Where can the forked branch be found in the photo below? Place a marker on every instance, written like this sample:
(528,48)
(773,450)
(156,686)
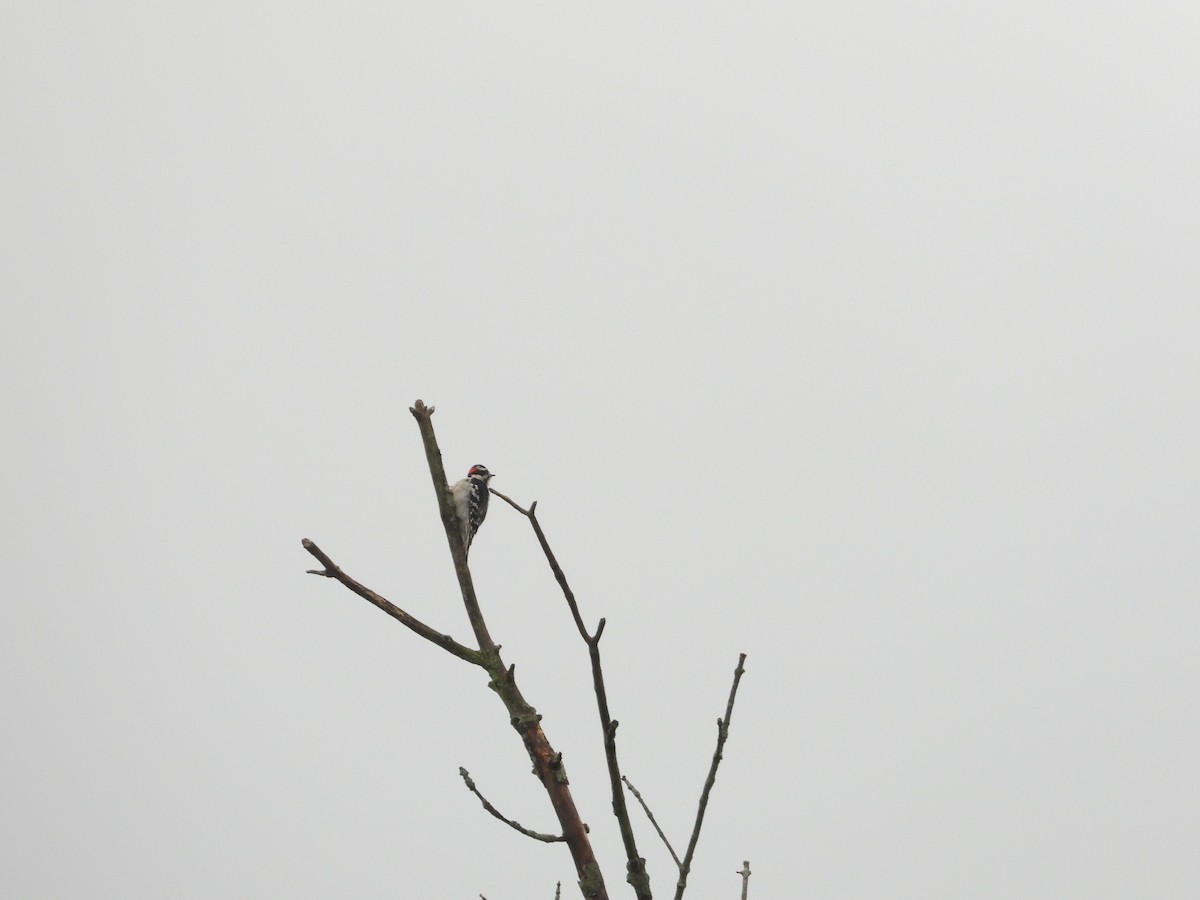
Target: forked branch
(635,865)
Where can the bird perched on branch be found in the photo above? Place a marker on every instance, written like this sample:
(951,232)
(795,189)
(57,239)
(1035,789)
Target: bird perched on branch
(471,501)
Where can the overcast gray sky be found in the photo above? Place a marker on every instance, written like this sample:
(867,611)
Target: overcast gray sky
(859,337)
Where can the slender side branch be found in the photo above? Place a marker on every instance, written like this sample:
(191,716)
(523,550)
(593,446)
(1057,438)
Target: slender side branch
(649,815)
(444,641)
(635,865)
(722,734)
(531,515)
(546,838)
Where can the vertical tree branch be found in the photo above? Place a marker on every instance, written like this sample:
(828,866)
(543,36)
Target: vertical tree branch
(745,873)
(437,471)
(722,734)
(547,764)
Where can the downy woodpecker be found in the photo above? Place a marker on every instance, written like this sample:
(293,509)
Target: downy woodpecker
(471,501)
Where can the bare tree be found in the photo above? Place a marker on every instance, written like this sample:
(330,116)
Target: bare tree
(547,763)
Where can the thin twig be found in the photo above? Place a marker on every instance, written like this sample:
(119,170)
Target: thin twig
(649,815)
(531,515)
(545,838)
(444,641)
(722,734)
(745,873)
(635,865)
